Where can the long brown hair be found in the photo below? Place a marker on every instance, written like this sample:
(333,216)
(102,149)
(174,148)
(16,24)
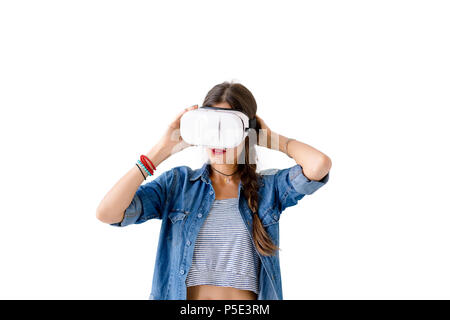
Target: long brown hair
(241,99)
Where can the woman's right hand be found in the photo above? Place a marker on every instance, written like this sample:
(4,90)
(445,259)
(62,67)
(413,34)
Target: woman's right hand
(172,140)
(111,209)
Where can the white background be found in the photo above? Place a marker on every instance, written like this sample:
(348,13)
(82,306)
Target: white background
(88,86)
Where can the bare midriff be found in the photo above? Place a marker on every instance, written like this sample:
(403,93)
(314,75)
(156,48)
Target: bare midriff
(209,292)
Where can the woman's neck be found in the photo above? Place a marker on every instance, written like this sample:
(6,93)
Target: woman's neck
(226,169)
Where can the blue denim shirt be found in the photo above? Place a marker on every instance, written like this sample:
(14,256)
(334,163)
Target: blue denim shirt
(181,198)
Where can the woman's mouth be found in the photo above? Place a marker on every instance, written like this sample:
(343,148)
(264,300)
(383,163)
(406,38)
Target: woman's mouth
(217,152)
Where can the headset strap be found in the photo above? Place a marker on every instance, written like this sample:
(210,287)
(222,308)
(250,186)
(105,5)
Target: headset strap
(252,123)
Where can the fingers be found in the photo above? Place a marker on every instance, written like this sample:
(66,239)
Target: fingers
(190,108)
(195,106)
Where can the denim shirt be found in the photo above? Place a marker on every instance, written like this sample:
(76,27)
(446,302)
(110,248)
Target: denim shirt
(181,198)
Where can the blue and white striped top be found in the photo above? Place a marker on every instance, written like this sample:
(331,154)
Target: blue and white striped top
(224,254)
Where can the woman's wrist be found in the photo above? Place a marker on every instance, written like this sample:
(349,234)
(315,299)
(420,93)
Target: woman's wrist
(157,154)
(279,142)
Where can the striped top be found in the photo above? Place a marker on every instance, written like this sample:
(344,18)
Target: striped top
(224,254)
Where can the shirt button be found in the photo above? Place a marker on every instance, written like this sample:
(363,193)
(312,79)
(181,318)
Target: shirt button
(211,192)
(199,215)
(188,243)
(181,271)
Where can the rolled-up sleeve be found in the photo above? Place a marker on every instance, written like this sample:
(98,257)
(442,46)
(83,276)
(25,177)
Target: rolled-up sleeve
(292,185)
(132,213)
(149,201)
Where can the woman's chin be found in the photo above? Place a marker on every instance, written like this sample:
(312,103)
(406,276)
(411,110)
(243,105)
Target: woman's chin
(217,159)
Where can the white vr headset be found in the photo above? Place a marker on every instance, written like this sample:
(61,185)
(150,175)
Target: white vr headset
(215,127)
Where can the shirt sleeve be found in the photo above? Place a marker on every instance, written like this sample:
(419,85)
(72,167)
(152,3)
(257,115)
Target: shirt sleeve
(149,201)
(292,185)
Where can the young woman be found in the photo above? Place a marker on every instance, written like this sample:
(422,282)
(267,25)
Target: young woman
(220,233)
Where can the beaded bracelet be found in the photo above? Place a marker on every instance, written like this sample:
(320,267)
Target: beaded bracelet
(146,170)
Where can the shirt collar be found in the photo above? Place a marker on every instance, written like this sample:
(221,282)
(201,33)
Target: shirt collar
(201,172)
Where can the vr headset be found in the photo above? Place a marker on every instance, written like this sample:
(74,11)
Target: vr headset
(215,127)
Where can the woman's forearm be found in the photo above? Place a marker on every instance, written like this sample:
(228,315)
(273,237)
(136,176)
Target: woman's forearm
(315,164)
(111,209)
